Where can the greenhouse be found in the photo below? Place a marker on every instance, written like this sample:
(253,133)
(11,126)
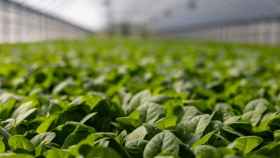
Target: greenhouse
(139,79)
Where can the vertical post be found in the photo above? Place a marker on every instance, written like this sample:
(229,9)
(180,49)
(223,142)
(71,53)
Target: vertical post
(109,15)
(25,25)
(1,21)
(7,23)
(19,21)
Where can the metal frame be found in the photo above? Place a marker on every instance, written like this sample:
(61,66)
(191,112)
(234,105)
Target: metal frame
(21,23)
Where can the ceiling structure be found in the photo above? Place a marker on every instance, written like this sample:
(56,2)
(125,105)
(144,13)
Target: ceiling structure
(87,13)
(166,15)
(159,15)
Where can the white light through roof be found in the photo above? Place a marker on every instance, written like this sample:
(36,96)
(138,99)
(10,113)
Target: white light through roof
(87,13)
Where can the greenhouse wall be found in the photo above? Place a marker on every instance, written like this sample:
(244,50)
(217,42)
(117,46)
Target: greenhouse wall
(19,23)
(263,32)
(258,32)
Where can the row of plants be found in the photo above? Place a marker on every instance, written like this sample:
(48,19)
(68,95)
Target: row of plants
(133,98)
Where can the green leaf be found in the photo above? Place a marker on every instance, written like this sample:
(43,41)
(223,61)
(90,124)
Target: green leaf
(136,147)
(276,135)
(133,120)
(164,143)
(206,151)
(203,123)
(195,124)
(75,137)
(143,132)
(159,99)
(89,100)
(6,108)
(190,112)
(230,130)
(63,85)
(167,122)
(266,121)
(139,133)
(246,144)
(161,156)
(43,139)
(20,142)
(102,152)
(224,111)
(14,155)
(6,97)
(107,112)
(46,124)
(21,113)
(151,112)
(2,145)
(254,110)
(4,133)
(271,150)
(203,140)
(88,117)
(71,133)
(137,100)
(57,153)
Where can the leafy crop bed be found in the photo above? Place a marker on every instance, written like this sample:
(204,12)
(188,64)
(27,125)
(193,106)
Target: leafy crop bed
(127,98)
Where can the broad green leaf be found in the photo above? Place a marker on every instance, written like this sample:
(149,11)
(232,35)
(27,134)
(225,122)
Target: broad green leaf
(133,120)
(21,113)
(4,133)
(151,112)
(89,100)
(20,142)
(88,117)
(159,99)
(196,124)
(206,151)
(266,121)
(14,155)
(107,112)
(161,156)
(6,108)
(254,110)
(203,123)
(137,100)
(224,111)
(102,152)
(164,143)
(63,85)
(238,125)
(5,97)
(46,124)
(167,122)
(246,144)
(230,130)
(136,147)
(143,132)
(276,135)
(75,137)
(190,112)
(88,141)
(139,133)
(57,153)
(203,140)
(44,138)
(271,150)
(2,145)
(71,133)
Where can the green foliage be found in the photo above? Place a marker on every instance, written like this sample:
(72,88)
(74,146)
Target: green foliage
(133,98)
(246,144)
(18,142)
